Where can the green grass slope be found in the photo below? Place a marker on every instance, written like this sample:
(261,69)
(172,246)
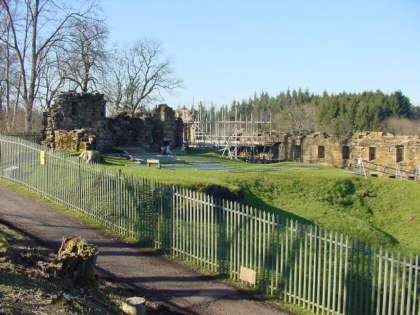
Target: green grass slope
(380,211)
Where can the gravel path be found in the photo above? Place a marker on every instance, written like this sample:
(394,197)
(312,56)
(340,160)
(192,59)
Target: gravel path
(153,276)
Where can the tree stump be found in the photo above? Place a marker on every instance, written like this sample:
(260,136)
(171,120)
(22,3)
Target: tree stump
(3,244)
(77,261)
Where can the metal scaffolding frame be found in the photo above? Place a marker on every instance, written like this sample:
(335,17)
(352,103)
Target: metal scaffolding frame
(229,136)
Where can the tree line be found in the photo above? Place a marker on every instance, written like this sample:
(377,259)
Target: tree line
(300,110)
(47,46)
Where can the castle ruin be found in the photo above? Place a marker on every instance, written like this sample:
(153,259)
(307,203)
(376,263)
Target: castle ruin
(377,153)
(77,122)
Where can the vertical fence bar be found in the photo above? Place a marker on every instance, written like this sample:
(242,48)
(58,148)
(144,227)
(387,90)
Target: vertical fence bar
(416,285)
(410,282)
(310,263)
(340,276)
(318,298)
(391,285)
(403,284)
(315,268)
(334,288)
(385,283)
(300,274)
(397,285)
(379,298)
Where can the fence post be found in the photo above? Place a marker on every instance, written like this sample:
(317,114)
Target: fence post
(47,175)
(79,193)
(1,161)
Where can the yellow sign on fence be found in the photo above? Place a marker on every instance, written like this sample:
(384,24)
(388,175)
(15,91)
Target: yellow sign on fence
(248,275)
(42,157)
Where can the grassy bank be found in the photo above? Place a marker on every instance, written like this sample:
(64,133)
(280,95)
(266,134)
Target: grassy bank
(380,211)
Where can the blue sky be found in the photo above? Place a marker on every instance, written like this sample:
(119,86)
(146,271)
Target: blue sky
(226,50)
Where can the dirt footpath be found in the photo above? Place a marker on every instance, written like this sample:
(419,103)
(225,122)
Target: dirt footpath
(152,276)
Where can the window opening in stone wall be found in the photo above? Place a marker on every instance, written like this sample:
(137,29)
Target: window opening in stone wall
(321,152)
(298,152)
(400,153)
(346,152)
(372,153)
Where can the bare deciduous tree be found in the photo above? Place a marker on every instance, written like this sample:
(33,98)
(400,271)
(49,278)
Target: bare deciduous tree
(86,54)
(137,76)
(10,78)
(35,27)
(51,77)
(298,117)
(401,126)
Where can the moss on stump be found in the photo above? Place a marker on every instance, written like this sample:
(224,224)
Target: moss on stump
(3,244)
(77,259)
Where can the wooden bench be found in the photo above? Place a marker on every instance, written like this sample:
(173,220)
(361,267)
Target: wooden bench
(150,162)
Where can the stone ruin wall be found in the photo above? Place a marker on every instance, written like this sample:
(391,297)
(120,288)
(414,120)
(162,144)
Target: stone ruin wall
(383,149)
(74,121)
(187,117)
(77,122)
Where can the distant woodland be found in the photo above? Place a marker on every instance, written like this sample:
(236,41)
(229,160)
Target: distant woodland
(298,110)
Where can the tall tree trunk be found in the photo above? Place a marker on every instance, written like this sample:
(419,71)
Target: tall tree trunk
(13,115)
(28,118)
(2,120)
(29,101)
(7,77)
(85,81)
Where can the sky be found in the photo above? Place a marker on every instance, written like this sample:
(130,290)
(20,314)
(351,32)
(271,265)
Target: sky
(228,50)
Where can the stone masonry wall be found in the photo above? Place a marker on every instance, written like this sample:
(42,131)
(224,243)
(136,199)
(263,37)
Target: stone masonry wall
(379,148)
(77,121)
(74,121)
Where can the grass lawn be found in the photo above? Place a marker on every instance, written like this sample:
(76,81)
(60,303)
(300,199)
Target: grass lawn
(380,211)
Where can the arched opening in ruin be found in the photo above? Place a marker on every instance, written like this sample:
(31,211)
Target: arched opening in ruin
(372,153)
(321,152)
(346,152)
(399,153)
(298,152)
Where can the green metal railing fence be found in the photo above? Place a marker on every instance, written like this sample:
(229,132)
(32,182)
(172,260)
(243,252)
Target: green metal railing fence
(302,264)
(29,136)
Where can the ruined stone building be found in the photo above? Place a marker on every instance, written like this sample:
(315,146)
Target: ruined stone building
(384,154)
(77,121)
(188,133)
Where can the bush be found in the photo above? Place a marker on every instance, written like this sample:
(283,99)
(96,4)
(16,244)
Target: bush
(340,192)
(220,192)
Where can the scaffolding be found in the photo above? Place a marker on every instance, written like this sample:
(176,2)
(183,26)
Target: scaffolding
(230,136)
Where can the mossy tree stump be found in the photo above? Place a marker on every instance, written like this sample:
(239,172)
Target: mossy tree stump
(3,244)
(77,259)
